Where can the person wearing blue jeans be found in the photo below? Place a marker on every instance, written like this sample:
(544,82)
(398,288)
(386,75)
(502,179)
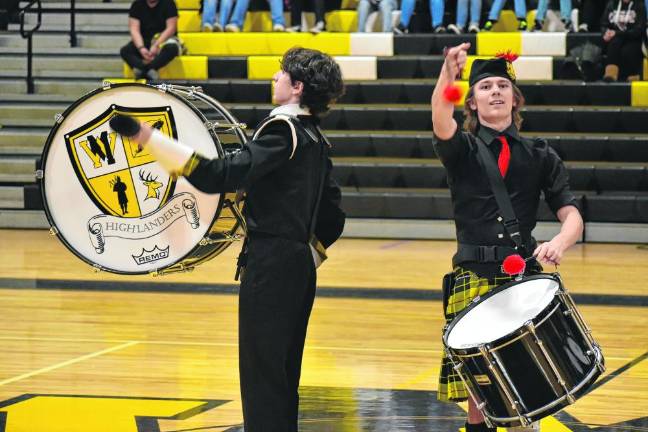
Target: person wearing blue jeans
(241,7)
(496,10)
(437,8)
(565,13)
(209,22)
(462,16)
(386,8)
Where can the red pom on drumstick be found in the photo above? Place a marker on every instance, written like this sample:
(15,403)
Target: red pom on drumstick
(514,265)
(452,93)
(509,56)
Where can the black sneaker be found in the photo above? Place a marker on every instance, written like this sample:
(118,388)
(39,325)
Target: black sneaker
(522,25)
(538,26)
(569,27)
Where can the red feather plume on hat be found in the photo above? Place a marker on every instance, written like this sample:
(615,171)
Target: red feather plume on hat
(509,56)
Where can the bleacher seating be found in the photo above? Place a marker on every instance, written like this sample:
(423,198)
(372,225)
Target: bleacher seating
(380,129)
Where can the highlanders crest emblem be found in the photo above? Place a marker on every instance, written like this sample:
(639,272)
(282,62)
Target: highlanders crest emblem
(133,193)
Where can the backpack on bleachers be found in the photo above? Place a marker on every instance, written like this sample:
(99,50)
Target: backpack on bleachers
(583,63)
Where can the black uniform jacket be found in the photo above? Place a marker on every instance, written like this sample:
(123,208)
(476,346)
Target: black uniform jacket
(280,170)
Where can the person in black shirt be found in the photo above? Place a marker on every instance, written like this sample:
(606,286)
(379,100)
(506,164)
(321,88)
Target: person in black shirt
(152,25)
(292,203)
(529,167)
(623,25)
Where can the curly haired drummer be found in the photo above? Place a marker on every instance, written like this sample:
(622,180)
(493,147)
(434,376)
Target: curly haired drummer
(529,167)
(291,200)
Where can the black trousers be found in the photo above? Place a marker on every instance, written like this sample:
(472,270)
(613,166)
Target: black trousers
(133,58)
(297,7)
(275,302)
(625,53)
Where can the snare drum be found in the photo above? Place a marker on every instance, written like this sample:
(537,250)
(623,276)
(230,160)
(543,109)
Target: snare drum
(523,351)
(113,206)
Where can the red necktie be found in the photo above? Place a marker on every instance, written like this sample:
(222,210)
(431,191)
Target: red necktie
(504,156)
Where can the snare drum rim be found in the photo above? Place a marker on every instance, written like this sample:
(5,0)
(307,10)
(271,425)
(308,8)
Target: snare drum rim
(43,164)
(467,352)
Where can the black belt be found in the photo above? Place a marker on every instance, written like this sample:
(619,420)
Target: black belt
(482,254)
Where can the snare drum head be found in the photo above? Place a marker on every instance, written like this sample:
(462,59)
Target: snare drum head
(500,314)
(112,204)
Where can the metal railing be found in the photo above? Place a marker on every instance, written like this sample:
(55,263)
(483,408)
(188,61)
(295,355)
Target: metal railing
(27,34)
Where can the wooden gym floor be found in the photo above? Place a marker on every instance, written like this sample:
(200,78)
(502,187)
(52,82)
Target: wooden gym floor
(82,351)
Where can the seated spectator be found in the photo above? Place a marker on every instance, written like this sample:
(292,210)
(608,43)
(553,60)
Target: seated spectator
(623,24)
(152,25)
(437,9)
(209,22)
(8,13)
(589,15)
(462,17)
(241,8)
(386,8)
(296,9)
(496,10)
(565,14)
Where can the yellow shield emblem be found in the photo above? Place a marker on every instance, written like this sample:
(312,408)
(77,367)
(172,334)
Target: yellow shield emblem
(119,178)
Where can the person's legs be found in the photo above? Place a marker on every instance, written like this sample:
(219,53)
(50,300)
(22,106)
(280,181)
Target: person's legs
(386,8)
(276,12)
(462,13)
(475,12)
(437,8)
(520,9)
(364,7)
(407,10)
(274,304)
(631,60)
(541,12)
(225,11)
(238,16)
(208,14)
(496,10)
(296,9)
(565,10)
(614,53)
(164,57)
(132,57)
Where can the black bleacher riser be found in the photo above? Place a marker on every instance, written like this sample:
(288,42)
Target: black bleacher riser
(594,149)
(227,67)
(409,67)
(593,179)
(433,44)
(428,44)
(537,119)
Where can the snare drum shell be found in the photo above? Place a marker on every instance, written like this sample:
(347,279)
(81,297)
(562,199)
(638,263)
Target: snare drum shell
(526,366)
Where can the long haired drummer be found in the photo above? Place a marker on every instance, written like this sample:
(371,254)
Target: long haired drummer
(292,213)
(528,168)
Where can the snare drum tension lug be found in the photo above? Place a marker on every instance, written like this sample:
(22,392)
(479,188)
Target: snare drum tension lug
(568,312)
(53,231)
(39,174)
(58,118)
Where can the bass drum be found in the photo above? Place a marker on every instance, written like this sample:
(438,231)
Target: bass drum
(114,206)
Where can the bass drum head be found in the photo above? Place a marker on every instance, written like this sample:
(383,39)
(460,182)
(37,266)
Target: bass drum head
(113,205)
(502,312)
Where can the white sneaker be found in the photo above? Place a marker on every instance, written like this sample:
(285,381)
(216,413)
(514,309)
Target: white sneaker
(318,28)
(232,28)
(218,27)
(293,29)
(473,28)
(278,28)
(453,28)
(207,28)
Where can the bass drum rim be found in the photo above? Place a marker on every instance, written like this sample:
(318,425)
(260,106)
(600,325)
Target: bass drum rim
(59,120)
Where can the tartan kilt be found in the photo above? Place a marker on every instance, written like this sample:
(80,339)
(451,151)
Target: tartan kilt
(467,286)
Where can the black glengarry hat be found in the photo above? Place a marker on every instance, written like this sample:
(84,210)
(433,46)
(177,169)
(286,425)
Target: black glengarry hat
(500,66)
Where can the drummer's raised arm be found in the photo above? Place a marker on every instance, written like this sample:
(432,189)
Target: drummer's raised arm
(443,121)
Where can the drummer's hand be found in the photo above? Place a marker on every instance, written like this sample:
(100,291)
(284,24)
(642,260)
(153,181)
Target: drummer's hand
(455,60)
(143,135)
(550,252)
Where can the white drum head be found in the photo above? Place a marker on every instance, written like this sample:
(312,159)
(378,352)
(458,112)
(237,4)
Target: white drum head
(502,313)
(113,205)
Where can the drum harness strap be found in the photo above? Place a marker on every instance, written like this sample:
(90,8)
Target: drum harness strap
(507,216)
(312,240)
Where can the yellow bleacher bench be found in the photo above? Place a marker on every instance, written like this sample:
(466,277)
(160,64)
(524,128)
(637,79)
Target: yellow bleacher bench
(182,67)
